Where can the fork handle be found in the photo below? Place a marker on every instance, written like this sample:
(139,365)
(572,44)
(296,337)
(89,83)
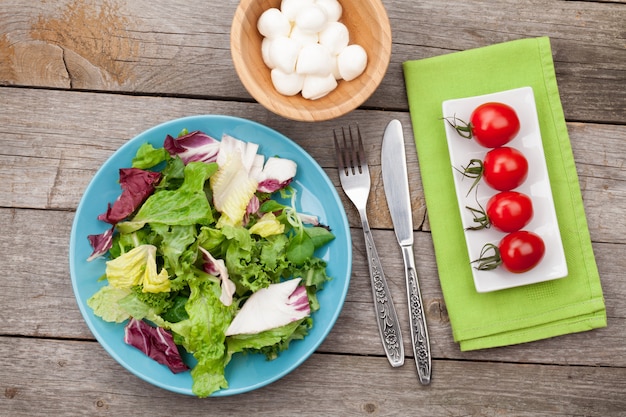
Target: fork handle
(386,316)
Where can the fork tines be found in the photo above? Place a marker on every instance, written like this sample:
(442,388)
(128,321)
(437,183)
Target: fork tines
(349,157)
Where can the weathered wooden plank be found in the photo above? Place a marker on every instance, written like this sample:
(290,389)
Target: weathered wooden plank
(73,133)
(39,288)
(166,47)
(66,378)
(425,29)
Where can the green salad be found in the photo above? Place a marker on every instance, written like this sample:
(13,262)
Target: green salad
(207,254)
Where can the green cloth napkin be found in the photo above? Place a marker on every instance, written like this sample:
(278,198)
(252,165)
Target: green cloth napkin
(522,314)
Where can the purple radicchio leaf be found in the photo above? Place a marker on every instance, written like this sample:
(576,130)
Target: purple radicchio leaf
(156,343)
(277,174)
(217,268)
(137,185)
(193,147)
(100,243)
(271,307)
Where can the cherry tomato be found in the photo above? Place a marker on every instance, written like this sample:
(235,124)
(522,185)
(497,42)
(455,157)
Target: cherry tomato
(521,251)
(518,252)
(509,211)
(491,124)
(494,124)
(505,168)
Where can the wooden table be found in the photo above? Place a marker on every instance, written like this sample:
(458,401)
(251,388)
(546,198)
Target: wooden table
(79,78)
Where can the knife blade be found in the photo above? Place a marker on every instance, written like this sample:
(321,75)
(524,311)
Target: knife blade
(396,185)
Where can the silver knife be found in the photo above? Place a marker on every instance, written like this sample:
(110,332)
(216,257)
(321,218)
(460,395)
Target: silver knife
(396,184)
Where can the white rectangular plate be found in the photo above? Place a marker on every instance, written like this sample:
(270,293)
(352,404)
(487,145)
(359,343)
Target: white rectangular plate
(537,187)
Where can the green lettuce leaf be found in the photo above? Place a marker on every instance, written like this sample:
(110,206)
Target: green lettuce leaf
(175,242)
(105,304)
(184,206)
(148,156)
(270,342)
(205,311)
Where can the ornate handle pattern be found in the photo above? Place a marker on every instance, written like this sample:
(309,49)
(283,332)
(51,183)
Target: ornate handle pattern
(419,330)
(386,316)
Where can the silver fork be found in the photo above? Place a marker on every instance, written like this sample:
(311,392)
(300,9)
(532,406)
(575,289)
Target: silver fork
(355,180)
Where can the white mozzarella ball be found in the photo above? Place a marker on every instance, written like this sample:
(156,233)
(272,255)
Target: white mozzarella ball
(311,19)
(273,24)
(290,8)
(266,46)
(336,73)
(287,84)
(352,62)
(332,8)
(314,59)
(304,38)
(283,53)
(335,37)
(316,86)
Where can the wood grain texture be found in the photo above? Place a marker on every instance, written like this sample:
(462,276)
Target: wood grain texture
(66,162)
(375,38)
(349,385)
(182,48)
(79,78)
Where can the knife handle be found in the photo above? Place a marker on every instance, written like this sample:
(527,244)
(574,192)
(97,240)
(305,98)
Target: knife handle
(386,316)
(419,330)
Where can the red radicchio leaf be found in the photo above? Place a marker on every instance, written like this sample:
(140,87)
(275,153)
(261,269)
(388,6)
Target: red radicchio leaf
(156,343)
(271,185)
(137,185)
(101,243)
(193,147)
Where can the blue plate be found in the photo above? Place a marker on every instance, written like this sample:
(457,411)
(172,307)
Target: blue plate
(316,195)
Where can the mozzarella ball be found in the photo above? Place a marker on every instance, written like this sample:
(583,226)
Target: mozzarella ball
(314,59)
(332,8)
(336,73)
(303,38)
(352,62)
(311,19)
(273,24)
(335,37)
(287,84)
(284,53)
(316,86)
(266,45)
(290,8)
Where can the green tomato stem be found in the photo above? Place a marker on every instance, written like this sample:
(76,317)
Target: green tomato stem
(463,128)
(488,262)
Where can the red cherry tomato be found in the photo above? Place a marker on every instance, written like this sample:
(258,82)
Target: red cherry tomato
(491,124)
(494,124)
(505,168)
(509,211)
(521,251)
(518,252)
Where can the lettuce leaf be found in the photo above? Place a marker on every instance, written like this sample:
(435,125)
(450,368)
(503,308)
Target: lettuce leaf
(214,207)
(176,246)
(184,206)
(148,156)
(138,267)
(105,304)
(203,335)
(232,191)
(269,342)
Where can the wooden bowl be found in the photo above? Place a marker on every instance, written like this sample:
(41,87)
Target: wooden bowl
(368,25)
